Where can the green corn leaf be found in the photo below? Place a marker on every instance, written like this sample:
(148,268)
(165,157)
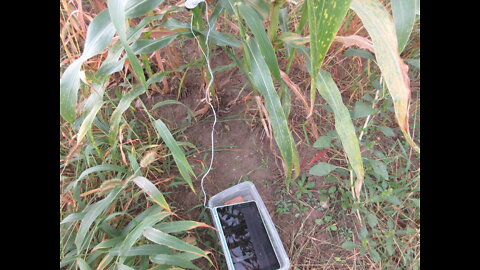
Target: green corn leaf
(82,264)
(73,217)
(136,8)
(99,34)
(123,105)
(122,266)
(87,122)
(219,39)
(263,82)
(150,45)
(139,218)
(98,168)
(152,191)
(116,10)
(178,155)
(109,243)
(404,19)
(143,250)
(180,226)
(173,242)
(174,260)
(343,125)
(91,215)
(379,25)
(359,53)
(135,234)
(325,18)
(105,261)
(263,7)
(255,24)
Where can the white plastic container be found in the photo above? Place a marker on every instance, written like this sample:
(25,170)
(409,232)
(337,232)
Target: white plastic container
(248,192)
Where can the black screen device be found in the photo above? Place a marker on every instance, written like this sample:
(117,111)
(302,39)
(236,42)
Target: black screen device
(247,239)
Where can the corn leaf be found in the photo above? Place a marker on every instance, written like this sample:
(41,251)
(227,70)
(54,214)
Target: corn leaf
(152,191)
(262,80)
(404,19)
(123,105)
(143,250)
(98,168)
(255,24)
(82,264)
(174,260)
(343,125)
(173,242)
(150,45)
(116,10)
(87,122)
(180,226)
(379,25)
(135,8)
(122,266)
(99,34)
(325,18)
(178,155)
(90,216)
(135,234)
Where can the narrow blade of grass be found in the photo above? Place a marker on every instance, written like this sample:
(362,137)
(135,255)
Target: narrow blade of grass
(173,242)
(90,216)
(135,234)
(343,125)
(178,155)
(143,250)
(87,122)
(379,25)
(82,264)
(173,260)
(152,191)
(98,168)
(116,10)
(263,82)
(122,266)
(151,45)
(181,226)
(123,105)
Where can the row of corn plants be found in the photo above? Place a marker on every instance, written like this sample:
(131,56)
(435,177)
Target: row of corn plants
(106,223)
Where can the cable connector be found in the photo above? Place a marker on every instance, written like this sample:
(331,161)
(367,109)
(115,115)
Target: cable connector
(191,4)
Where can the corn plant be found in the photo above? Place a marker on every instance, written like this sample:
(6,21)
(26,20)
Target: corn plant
(323,19)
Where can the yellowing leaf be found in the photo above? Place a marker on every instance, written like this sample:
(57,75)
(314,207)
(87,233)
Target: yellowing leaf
(381,29)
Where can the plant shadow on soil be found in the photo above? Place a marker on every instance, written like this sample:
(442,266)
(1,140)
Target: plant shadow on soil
(244,152)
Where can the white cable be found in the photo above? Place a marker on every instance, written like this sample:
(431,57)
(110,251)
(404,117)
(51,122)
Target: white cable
(207,96)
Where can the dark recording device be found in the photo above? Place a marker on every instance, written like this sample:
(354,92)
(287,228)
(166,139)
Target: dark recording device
(248,242)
